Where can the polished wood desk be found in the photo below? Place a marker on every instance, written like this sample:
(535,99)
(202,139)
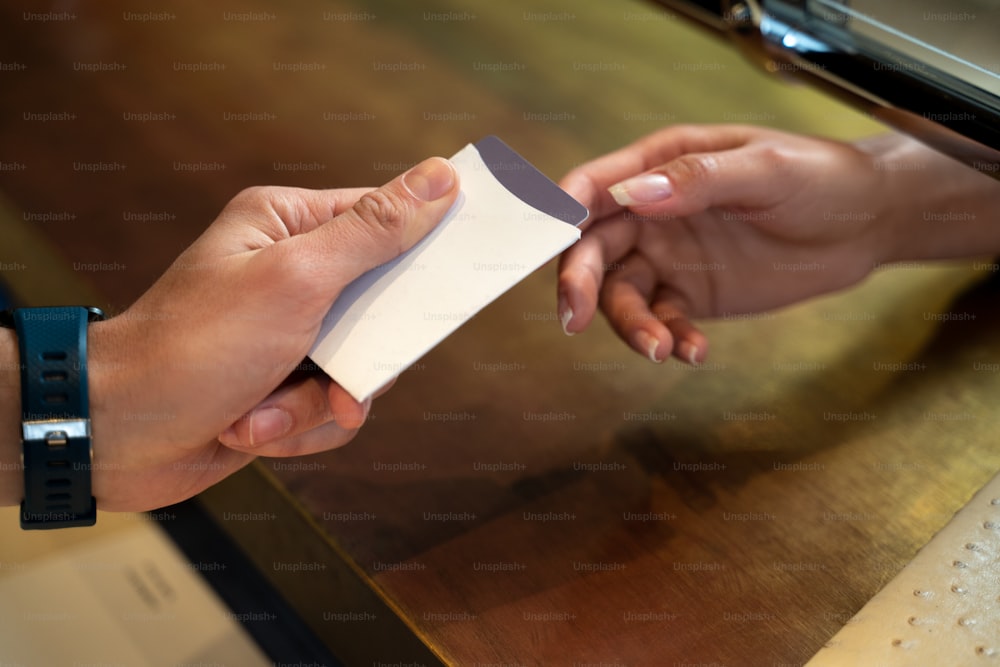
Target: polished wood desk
(519,498)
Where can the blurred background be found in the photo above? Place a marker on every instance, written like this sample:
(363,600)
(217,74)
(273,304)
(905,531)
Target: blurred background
(126,127)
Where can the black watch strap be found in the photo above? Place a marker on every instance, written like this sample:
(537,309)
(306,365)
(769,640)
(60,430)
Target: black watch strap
(55,417)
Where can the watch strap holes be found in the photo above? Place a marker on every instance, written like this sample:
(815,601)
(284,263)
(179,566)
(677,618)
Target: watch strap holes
(56,398)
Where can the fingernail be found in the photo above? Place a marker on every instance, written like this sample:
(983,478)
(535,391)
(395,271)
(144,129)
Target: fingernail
(268,424)
(689,353)
(565,314)
(648,344)
(642,189)
(430,180)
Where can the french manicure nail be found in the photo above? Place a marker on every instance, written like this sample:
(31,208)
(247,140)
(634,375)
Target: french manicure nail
(565,314)
(642,189)
(648,344)
(430,180)
(689,352)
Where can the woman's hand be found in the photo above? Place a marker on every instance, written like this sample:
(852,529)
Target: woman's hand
(705,221)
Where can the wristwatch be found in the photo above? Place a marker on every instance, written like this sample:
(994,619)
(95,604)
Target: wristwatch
(56,451)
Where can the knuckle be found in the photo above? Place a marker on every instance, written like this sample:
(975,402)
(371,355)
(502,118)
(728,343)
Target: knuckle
(692,170)
(252,197)
(383,211)
(773,157)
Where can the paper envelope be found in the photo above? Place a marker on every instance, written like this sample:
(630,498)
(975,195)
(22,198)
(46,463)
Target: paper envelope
(508,221)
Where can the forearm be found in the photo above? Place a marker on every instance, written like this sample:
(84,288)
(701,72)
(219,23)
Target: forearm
(935,208)
(11,476)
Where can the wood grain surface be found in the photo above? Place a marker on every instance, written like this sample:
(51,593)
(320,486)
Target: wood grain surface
(519,497)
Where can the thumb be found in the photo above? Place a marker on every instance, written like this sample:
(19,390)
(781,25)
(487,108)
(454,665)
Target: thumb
(383,224)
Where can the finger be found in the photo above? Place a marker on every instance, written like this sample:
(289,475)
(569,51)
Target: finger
(348,412)
(294,409)
(582,269)
(690,344)
(695,182)
(279,213)
(381,225)
(305,210)
(625,301)
(345,409)
(589,182)
(320,439)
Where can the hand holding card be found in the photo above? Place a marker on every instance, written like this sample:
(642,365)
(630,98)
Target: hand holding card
(509,220)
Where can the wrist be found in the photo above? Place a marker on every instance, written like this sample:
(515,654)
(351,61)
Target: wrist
(934,207)
(102,339)
(112,391)
(52,413)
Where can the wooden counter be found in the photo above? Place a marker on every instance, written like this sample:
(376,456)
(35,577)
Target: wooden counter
(520,497)
(527,499)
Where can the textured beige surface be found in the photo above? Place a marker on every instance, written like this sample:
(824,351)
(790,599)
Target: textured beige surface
(942,609)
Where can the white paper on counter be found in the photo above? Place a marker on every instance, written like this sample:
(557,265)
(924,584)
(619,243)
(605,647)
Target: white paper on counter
(129,598)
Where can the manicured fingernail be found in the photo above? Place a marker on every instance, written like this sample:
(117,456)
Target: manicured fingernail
(565,314)
(642,189)
(430,180)
(267,424)
(689,353)
(648,344)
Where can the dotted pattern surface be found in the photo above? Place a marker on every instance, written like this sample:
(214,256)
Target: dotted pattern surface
(942,609)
